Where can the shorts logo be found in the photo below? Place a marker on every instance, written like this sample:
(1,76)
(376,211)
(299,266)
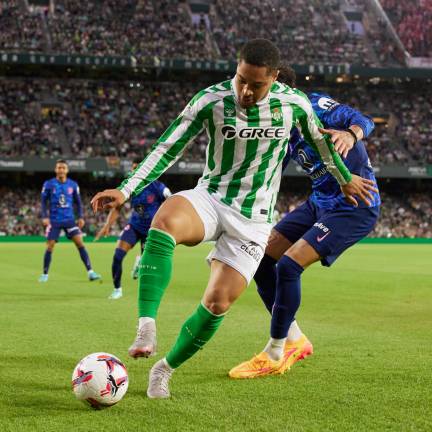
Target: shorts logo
(230,132)
(253,249)
(150,198)
(325,230)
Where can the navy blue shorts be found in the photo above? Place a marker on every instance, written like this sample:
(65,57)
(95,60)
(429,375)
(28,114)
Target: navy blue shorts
(329,232)
(54,229)
(131,235)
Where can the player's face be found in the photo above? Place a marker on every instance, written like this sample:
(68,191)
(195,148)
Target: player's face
(61,170)
(253,83)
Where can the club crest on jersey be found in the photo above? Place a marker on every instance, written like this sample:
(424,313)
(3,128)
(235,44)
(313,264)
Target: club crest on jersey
(276,115)
(70,191)
(230,132)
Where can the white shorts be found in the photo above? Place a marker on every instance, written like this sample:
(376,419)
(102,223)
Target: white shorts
(240,242)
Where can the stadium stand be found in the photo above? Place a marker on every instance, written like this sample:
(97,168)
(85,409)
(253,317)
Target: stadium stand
(412,19)
(92,118)
(305,31)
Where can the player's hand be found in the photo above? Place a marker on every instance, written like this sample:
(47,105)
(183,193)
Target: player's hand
(103,232)
(343,141)
(107,200)
(45,222)
(81,223)
(361,188)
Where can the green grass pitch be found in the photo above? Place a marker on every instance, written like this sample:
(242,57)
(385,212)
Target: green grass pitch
(369,318)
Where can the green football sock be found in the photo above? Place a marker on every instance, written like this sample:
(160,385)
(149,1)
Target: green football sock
(155,271)
(195,333)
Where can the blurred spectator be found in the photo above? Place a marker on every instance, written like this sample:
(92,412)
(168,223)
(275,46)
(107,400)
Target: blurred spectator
(412,21)
(20,30)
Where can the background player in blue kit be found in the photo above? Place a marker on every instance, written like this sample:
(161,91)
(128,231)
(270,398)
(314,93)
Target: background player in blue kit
(144,207)
(59,196)
(322,228)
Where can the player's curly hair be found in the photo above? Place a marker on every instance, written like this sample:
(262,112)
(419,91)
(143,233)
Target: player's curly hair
(287,75)
(260,52)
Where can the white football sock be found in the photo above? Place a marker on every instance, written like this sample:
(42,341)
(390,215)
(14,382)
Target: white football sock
(275,348)
(294,332)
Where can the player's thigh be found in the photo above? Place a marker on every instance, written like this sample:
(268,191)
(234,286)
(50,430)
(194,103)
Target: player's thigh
(78,240)
(124,246)
(225,285)
(303,253)
(178,217)
(128,238)
(291,228)
(277,245)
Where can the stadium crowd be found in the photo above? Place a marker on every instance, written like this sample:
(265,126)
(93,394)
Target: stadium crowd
(306,32)
(411,20)
(123,119)
(407,216)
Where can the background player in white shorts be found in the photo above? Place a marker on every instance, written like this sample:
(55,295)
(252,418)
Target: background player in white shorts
(248,120)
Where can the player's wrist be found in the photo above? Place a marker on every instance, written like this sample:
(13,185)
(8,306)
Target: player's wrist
(353,134)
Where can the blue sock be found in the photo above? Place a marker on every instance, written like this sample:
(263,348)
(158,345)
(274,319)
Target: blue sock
(85,257)
(47,261)
(116,268)
(265,278)
(288,296)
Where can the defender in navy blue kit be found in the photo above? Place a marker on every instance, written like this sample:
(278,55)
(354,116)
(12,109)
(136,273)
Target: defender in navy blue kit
(144,207)
(322,228)
(59,199)
(326,221)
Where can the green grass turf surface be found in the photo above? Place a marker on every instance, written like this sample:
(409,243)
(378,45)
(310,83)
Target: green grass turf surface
(369,317)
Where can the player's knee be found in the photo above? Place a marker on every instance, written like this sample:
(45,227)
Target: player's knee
(166,223)
(217,307)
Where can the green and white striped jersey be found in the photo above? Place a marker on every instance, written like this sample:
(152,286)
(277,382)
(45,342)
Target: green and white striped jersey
(245,149)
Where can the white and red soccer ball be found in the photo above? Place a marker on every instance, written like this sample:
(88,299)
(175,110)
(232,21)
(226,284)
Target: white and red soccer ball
(100,379)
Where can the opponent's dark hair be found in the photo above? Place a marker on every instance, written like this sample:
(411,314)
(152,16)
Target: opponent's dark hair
(137,160)
(260,52)
(287,75)
(63,161)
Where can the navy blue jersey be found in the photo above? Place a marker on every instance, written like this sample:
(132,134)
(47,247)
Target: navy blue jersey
(146,204)
(59,199)
(326,192)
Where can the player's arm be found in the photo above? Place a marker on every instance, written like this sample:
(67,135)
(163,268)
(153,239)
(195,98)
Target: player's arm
(45,196)
(346,126)
(113,215)
(166,151)
(351,185)
(78,206)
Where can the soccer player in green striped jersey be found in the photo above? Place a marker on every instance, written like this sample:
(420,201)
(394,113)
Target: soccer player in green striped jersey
(248,121)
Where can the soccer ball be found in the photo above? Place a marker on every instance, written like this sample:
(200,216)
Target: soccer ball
(100,379)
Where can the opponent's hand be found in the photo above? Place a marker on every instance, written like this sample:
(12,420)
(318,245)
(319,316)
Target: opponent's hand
(107,200)
(360,187)
(81,223)
(45,222)
(103,232)
(343,141)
